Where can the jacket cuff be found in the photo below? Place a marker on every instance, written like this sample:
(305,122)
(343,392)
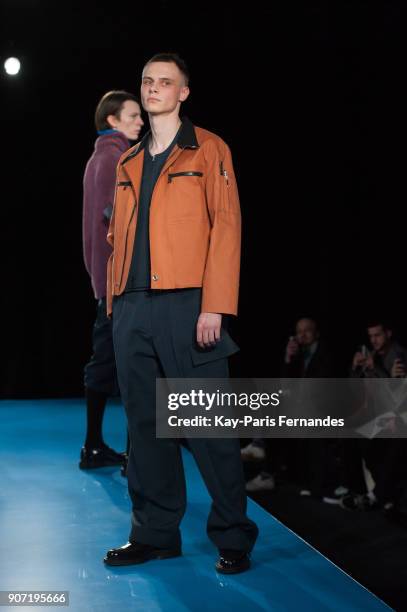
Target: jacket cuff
(218,306)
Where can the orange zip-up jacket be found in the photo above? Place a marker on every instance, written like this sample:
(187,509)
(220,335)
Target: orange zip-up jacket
(194,223)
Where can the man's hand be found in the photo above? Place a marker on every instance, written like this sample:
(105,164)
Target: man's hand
(369,362)
(208,329)
(358,360)
(362,361)
(292,349)
(398,369)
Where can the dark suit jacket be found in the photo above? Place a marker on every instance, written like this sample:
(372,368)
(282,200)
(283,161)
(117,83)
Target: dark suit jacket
(321,365)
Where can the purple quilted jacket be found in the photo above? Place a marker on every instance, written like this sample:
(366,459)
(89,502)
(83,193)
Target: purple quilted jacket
(98,194)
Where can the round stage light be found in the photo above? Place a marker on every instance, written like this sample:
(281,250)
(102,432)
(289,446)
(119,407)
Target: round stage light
(12,66)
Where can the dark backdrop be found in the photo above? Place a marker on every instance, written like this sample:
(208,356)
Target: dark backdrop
(308,96)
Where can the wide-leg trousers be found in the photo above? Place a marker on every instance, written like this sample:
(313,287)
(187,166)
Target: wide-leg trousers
(154,335)
(100,373)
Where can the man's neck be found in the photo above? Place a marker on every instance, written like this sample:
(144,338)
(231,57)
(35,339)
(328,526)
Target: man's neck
(163,130)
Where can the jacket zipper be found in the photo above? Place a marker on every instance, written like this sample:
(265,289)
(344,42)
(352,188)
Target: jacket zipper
(128,225)
(190,173)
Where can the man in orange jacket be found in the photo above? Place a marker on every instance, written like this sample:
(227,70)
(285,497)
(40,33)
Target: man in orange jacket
(172,276)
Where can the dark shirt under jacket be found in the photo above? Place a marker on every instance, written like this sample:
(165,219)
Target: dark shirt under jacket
(139,275)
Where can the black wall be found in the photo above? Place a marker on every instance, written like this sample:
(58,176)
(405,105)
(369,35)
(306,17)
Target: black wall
(308,96)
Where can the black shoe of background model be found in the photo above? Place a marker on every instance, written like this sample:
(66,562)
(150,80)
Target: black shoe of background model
(104,456)
(134,553)
(232,561)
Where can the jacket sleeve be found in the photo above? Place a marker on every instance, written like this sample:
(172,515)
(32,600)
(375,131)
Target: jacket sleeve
(110,236)
(110,240)
(220,290)
(106,185)
(99,188)
(109,280)
(87,220)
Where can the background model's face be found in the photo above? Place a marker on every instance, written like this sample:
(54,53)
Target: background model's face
(306,332)
(162,88)
(379,337)
(129,121)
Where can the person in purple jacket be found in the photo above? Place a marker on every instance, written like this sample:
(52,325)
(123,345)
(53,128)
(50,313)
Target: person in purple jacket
(118,121)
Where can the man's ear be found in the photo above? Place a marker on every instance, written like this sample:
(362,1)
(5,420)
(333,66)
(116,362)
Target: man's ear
(112,121)
(184,93)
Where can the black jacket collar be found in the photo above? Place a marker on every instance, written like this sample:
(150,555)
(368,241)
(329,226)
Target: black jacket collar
(186,140)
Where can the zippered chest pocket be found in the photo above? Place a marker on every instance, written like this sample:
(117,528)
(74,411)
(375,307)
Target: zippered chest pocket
(185,195)
(174,175)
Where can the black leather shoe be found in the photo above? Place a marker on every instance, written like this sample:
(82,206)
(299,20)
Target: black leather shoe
(232,561)
(133,553)
(103,456)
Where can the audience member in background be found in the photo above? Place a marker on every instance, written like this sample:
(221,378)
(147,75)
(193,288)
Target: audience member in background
(118,120)
(306,356)
(384,457)
(387,357)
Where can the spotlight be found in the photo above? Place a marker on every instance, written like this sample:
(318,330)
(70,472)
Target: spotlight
(12,66)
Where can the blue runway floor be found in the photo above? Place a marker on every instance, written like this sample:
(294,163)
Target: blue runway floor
(57,523)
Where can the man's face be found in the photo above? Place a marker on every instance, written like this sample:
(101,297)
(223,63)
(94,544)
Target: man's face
(129,121)
(163,88)
(379,337)
(306,332)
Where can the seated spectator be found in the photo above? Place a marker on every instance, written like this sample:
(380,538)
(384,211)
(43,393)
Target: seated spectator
(387,357)
(384,457)
(306,355)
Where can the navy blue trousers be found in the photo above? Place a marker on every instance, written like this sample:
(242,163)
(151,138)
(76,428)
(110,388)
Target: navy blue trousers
(154,337)
(100,372)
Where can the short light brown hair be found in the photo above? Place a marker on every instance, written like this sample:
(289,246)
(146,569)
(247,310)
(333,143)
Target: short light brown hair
(175,59)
